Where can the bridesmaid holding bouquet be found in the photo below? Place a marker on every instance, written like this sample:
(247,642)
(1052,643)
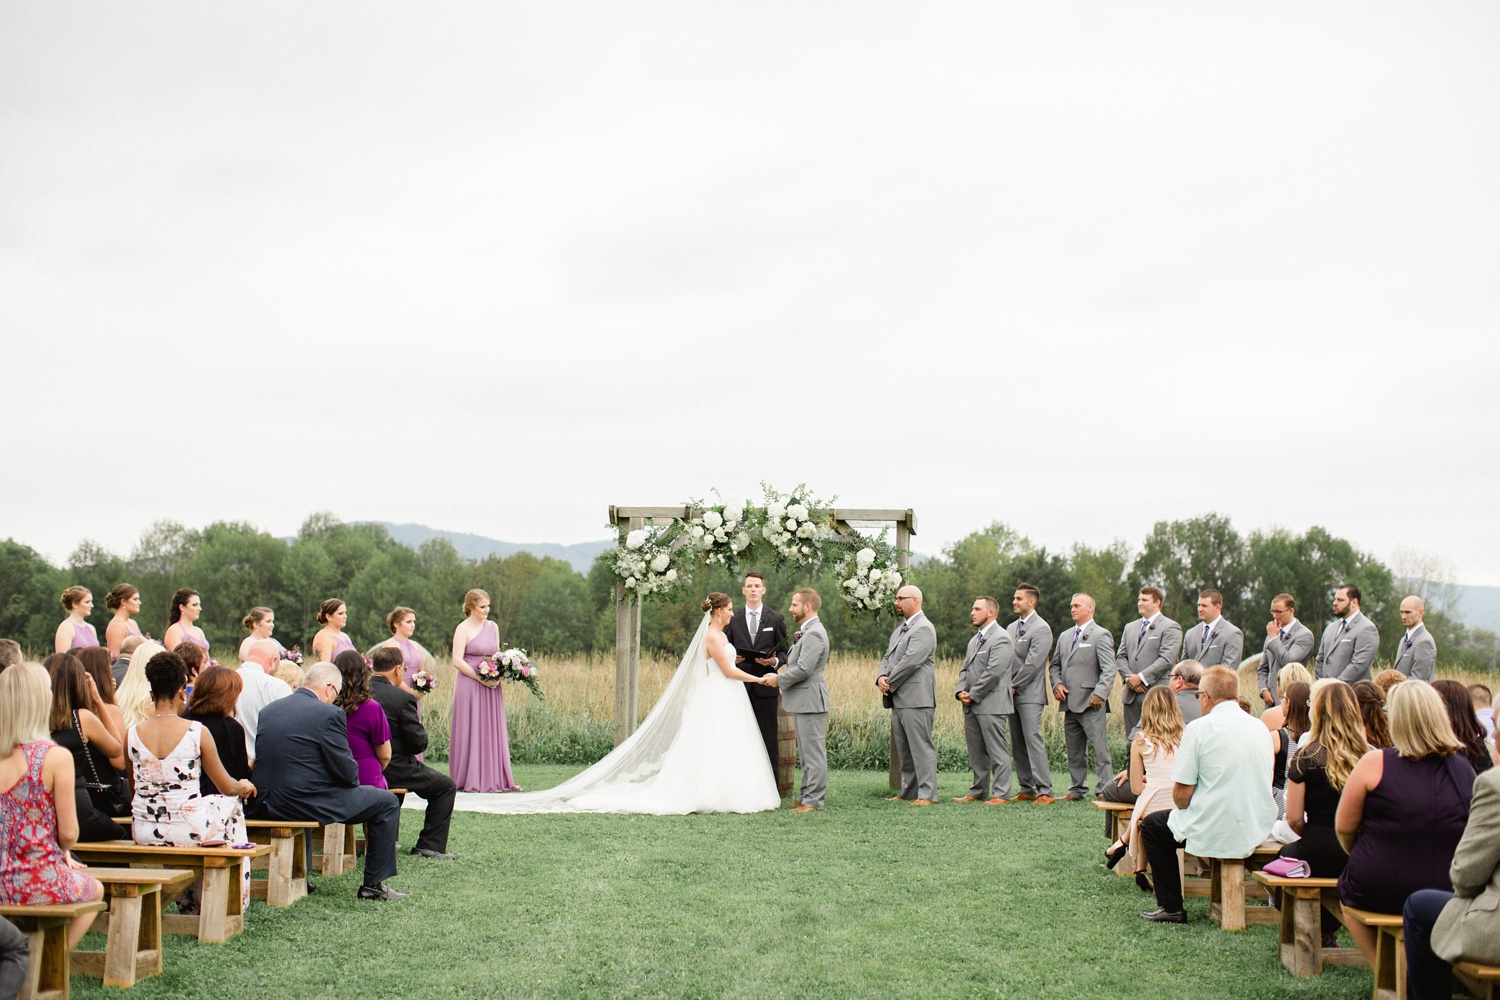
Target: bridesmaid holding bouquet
(478,743)
(402,622)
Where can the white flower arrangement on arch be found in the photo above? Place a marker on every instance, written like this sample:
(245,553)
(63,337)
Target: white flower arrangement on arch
(869,578)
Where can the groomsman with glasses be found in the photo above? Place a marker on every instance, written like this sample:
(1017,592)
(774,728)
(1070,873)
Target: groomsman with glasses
(1350,641)
(1215,642)
(1287,641)
(1031,644)
(1416,653)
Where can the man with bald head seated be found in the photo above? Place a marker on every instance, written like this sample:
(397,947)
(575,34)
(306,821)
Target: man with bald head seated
(261,687)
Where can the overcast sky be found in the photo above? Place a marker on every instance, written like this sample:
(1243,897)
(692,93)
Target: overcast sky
(493,267)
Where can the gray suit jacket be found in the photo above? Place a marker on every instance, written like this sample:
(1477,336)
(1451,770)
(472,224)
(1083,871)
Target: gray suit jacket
(1225,646)
(1028,674)
(1469,926)
(1348,656)
(986,673)
(1419,659)
(1152,657)
(907,664)
(1085,663)
(804,690)
(1279,652)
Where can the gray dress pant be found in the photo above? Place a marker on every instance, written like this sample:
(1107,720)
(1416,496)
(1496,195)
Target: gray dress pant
(913,735)
(812,753)
(1033,773)
(1082,732)
(987,739)
(1132,712)
(15,959)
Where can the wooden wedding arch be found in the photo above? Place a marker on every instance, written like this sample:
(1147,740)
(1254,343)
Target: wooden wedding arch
(628,612)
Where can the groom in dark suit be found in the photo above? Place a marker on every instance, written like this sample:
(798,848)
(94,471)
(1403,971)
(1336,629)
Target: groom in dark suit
(758,635)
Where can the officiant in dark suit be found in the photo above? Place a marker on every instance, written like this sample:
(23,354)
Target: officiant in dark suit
(758,635)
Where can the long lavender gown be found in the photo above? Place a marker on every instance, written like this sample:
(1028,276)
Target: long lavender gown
(84,636)
(478,743)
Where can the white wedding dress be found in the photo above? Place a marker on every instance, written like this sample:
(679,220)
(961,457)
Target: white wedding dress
(699,750)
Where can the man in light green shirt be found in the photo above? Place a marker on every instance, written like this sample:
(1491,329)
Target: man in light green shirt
(1222,789)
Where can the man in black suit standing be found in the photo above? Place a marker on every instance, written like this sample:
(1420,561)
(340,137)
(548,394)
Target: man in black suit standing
(758,635)
(304,770)
(409,738)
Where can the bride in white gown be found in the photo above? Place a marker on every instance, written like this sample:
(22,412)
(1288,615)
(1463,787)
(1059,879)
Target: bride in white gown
(700,749)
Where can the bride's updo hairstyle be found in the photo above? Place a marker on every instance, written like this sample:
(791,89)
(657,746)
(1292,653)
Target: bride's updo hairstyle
(714,602)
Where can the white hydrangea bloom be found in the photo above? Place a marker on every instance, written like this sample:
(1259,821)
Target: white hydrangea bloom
(636,538)
(798,511)
(661,562)
(712,519)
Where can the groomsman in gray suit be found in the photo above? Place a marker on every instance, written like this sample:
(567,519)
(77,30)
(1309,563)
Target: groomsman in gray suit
(910,690)
(1216,642)
(1031,640)
(1350,641)
(1083,673)
(1148,649)
(1287,641)
(804,695)
(984,690)
(1416,653)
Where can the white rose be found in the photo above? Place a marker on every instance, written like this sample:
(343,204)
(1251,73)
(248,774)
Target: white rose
(894,577)
(661,562)
(671,575)
(719,535)
(861,592)
(864,557)
(636,538)
(874,575)
(630,581)
(706,542)
(791,524)
(712,520)
(696,531)
(799,511)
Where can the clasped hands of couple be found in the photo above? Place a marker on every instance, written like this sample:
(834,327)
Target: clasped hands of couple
(766,680)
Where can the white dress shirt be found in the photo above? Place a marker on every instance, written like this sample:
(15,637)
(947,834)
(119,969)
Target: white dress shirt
(259,691)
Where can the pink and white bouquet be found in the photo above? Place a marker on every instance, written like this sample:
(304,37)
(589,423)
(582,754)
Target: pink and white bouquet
(294,655)
(515,666)
(423,682)
(488,670)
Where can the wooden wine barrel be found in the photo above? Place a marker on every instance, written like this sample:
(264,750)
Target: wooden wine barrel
(786,751)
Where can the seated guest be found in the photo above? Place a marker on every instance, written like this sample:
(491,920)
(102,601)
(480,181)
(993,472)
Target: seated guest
(1387,679)
(289,674)
(1462,925)
(80,726)
(408,739)
(1315,778)
(10,654)
(15,957)
(1296,712)
(133,694)
(1153,754)
(122,662)
(214,699)
(260,689)
(1465,723)
(1275,716)
(1403,810)
(37,822)
(307,772)
(364,720)
(1372,710)
(1484,710)
(1183,682)
(169,755)
(96,663)
(1221,790)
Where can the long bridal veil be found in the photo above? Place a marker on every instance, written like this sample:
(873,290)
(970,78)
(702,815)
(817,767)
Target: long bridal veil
(634,762)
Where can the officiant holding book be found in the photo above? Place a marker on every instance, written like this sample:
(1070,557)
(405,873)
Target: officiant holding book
(758,635)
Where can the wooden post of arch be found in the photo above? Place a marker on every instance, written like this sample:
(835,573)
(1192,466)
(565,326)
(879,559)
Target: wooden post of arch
(628,612)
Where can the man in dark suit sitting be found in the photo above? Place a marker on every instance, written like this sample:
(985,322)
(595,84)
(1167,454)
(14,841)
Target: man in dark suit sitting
(409,738)
(304,770)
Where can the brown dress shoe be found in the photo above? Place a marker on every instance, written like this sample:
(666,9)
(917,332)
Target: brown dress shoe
(923,802)
(967,798)
(1025,797)
(807,809)
(1070,797)
(997,801)
(894,798)
(1045,800)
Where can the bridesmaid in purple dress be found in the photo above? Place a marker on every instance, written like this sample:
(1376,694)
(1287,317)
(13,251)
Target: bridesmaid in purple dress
(75,632)
(403,622)
(187,606)
(478,743)
(125,601)
(331,640)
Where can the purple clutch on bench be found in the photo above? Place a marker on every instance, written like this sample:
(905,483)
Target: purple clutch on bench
(1289,868)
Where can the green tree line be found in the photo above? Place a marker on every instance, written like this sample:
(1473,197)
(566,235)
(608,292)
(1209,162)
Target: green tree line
(547,607)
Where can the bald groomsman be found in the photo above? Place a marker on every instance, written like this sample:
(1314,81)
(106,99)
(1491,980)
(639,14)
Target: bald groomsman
(1350,641)
(909,689)
(1031,640)
(1215,642)
(984,690)
(1416,653)
(1083,673)
(1148,650)
(1287,641)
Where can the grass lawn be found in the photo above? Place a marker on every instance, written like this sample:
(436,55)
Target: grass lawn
(868,898)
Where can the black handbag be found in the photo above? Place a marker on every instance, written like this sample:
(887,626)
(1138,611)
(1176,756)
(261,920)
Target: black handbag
(113,800)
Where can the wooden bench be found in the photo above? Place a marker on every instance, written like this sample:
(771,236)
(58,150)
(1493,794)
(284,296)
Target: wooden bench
(132,948)
(1303,901)
(1115,813)
(222,869)
(1225,888)
(46,930)
(1481,980)
(286,875)
(1390,951)
(335,842)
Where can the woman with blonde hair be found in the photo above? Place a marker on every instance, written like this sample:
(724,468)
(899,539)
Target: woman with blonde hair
(1275,716)
(75,632)
(478,740)
(1153,753)
(1314,779)
(1403,810)
(134,693)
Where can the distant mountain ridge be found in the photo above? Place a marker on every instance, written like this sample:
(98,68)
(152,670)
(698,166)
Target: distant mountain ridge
(579,556)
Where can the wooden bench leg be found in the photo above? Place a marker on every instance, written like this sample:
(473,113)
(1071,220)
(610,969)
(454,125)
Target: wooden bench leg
(286,881)
(47,976)
(213,907)
(1390,964)
(333,850)
(1227,893)
(123,939)
(1307,924)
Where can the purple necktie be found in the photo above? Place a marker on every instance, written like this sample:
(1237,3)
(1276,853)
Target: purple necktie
(1142,637)
(1020,630)
(1205,635)
(1283,635)
(981,641)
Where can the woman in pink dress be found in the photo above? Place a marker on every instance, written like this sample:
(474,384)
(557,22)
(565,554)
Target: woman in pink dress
(38,813)
(186,608)
(125,601)
(75,632)
(403,622)
(1153,754)
(333,615)
(478,743)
